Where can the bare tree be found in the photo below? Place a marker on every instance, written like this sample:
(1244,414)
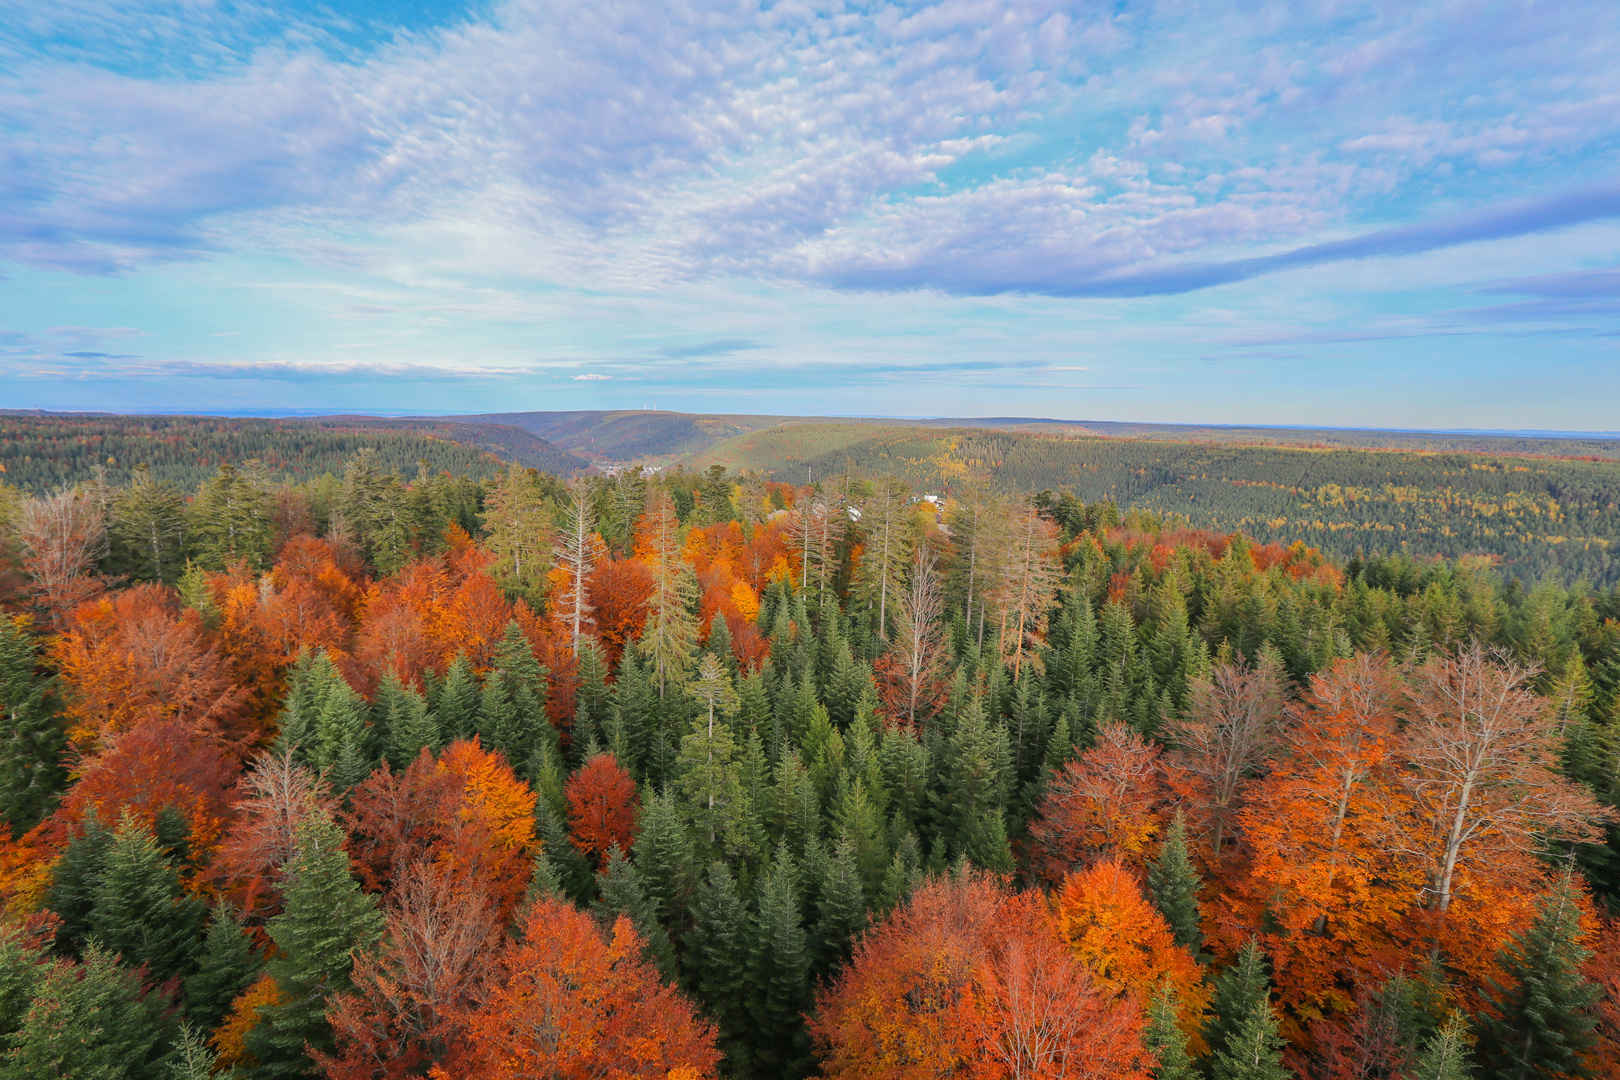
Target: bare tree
(912,670)
(1026,585)
(61,535)
(1231,726)
(1481,750)
(577,554)
(888,543)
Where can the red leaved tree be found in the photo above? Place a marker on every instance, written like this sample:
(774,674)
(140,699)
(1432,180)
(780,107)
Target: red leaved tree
(1105,801)
(602,804)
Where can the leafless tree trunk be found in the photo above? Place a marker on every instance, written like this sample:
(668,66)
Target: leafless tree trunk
(1231,726)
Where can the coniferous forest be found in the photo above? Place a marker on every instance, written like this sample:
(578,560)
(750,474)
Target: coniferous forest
(696,775)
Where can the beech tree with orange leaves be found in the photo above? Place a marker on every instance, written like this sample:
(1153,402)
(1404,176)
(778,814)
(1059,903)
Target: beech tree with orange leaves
(1105,802)
(602,805)
(569,1004)
(969,978)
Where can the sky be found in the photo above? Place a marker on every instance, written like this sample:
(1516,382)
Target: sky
(1365,214)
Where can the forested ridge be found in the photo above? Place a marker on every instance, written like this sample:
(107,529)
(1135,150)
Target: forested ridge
(41,452)
(1543,517)
(704,774)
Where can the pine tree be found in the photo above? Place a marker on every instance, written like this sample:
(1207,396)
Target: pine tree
(1165,1039)
(1445,1055)
(1242,993)
(32,736)
(93,1021)
(141,913)
(968,803)
(513,704)
(1175,885)
(325,920)
(228,965)
(664,857)
(149,528)
(780,988)
(1538,1020)
(22,966)
(519,534)
(1253,1050)
(192,1058)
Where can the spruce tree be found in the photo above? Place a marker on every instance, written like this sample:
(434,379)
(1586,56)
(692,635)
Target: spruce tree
(149,528)
(141,913)
(455,709)
(620,893)
(192,1057)
(780,989)
(1175,885)
(719,936)
(21,969)
(840,908)
(1253,1050)
(231,520)
(1165,1039)
(32,736)
(664,857)
(1538,1019)
(228,965)
(400,716)
(74,881)
(92,1021)
(325,920)
(1241,992)
(514,697)
(969,801)
(1445,1055)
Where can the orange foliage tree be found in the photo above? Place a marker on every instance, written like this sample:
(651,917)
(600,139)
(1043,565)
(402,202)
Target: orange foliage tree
(271,800)
(969,978)
(135,655)
(465,813)
(1105,801)
(619,590)
(602,805)
(1123,940)
(567,1004)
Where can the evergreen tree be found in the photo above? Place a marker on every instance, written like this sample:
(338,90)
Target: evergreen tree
(455,709)
(22,966)
(780,988)
(325,920)
(513,705)
(1538,1020)
(141,913)
(570,867)
(228,965)
(32,736)
(402,717)
(327,721)
(1242,993)
(1165,1038)
(74,882)
(620,893)
(1175,885)
(149,528)
(841,910)
(1253,1050)
(719,936)
(969,800)
(1445,1055)
(92,1021)
(231,521)
(192,1058)
(665,859)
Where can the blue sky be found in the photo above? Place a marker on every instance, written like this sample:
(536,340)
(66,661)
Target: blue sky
(1398,214)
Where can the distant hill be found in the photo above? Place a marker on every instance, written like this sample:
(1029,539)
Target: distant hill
(1541,516)
(43,451)
(661,438)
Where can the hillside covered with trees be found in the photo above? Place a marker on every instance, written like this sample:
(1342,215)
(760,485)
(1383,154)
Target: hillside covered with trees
(708,774)
(1541,517)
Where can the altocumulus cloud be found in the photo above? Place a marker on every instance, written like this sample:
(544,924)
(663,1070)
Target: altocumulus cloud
(970,146)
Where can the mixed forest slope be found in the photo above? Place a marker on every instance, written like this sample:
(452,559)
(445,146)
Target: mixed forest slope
(43,451)
(1540,516)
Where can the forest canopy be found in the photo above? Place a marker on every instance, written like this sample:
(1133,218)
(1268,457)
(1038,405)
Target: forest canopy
(391,773)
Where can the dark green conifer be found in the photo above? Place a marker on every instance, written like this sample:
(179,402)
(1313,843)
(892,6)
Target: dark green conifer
(32,736)
(1253,1050)
(1242,993)
(664,857)
(1175,884)
(1445,1056)
(325,920)
(149,528)
(720,935)
(229,963)
(92,1021)
(74,881)
(231,521)
(840,910)
(780,989)
(1165,1039)
(619,892)
(1538,1019)
(969,800)
(455,710)
(141,913)
(401,717)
